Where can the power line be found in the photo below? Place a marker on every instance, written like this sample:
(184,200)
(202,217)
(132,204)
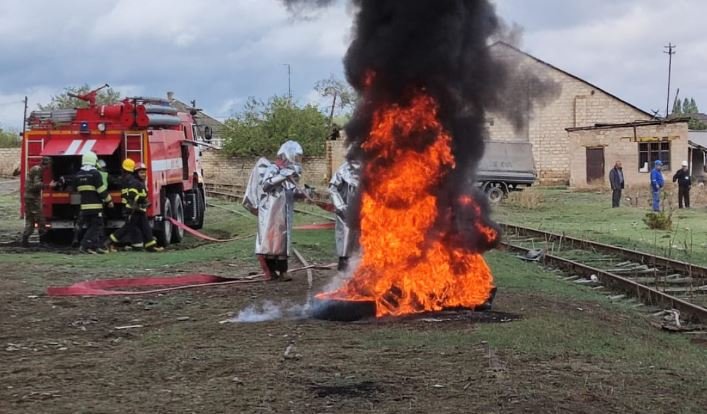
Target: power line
(12,103)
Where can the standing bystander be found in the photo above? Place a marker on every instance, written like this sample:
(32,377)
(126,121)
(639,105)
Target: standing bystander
(33,201)
(657,183)
(682,177)
(616,177)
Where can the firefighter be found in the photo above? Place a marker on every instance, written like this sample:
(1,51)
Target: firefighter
(94,195)
(33,201)
(136,207)
(126,235)
(270,195)
(343,188)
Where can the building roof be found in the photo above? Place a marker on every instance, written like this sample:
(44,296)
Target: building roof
(635,124)
(203,118)
(515,49)
(698,139)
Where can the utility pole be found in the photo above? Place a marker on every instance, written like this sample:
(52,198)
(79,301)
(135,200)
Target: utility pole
(333,106)
(289,80)
(24,120)
(670,51)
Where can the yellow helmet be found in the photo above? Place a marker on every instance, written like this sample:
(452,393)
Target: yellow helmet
(128,165)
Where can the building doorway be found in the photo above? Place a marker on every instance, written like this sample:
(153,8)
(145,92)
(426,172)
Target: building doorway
(595,165)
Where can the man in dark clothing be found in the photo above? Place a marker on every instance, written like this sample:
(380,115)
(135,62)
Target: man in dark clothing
(94,194)
(682,177)
(128,234)
(33,201)
(616,177)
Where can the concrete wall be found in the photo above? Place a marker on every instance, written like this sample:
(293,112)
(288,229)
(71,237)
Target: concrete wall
(620,145)
(9,160)
(219,168)
(578,104)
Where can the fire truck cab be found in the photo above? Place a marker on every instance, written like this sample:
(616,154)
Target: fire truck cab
(145,130)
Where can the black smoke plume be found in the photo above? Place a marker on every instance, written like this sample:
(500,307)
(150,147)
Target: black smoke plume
(442,48)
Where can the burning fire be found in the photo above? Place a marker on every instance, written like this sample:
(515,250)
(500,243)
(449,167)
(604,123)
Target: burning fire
(411,260)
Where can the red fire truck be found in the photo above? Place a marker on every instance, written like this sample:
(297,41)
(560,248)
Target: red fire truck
(145,130)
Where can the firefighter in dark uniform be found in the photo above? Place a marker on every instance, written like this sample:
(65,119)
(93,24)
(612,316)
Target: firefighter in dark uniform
(33,201)
(128,234)
(136,206)
(94,194)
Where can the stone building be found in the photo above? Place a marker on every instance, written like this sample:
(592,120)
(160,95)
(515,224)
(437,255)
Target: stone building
(576,104)
(595,149)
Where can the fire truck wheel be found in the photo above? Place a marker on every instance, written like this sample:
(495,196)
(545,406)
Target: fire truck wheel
(178,214)
(163,229)
(200,208)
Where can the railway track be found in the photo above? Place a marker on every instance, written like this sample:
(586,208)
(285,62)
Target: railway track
(236,191)
(655,281)
(661,283)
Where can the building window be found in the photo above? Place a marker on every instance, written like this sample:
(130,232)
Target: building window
(650,152)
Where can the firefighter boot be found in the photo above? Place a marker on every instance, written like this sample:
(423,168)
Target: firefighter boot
(282,270)
(25,241)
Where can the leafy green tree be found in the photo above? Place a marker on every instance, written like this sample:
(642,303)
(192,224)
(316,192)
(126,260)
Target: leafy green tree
(346,97)
(261,127)
(677,108)
(693,107)
(9,139)
(105,96)
(690,109)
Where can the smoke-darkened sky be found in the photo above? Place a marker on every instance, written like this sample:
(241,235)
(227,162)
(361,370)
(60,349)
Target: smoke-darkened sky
(220,52)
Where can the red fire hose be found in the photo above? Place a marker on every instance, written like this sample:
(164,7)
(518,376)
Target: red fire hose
(109,287)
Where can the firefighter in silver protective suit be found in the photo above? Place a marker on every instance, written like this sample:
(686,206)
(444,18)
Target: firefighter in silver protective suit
(271,193)
(343,188)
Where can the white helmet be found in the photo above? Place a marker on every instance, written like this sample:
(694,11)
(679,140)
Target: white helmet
(685,164)
(89,158)
(291,151)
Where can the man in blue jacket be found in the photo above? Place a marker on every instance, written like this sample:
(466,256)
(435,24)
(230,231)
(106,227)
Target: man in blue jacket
(657,183)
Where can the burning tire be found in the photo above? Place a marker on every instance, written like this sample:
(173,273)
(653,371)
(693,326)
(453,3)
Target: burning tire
(343,310)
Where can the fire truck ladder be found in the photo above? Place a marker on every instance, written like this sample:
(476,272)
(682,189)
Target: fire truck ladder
(134,145)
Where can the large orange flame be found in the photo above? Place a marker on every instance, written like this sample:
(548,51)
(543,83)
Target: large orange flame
(407,265)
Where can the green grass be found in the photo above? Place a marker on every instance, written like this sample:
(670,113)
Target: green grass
(542,333)
(589,215)
(316,245)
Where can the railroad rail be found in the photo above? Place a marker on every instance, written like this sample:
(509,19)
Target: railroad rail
(653,280)
(236,191)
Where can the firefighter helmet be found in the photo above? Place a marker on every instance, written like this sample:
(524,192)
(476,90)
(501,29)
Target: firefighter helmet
(101,164)
(140,166)
(89,158)
(128,165)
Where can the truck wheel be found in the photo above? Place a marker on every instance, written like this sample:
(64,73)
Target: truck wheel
(200,208)
(163,229)
(495,194)
(178,210)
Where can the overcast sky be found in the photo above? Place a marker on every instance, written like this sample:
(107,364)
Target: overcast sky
(220,52)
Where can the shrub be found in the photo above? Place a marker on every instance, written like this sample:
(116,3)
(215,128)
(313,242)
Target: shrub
(659,221)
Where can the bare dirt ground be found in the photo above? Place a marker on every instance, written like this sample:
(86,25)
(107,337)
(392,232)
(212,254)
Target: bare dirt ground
(573,351)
